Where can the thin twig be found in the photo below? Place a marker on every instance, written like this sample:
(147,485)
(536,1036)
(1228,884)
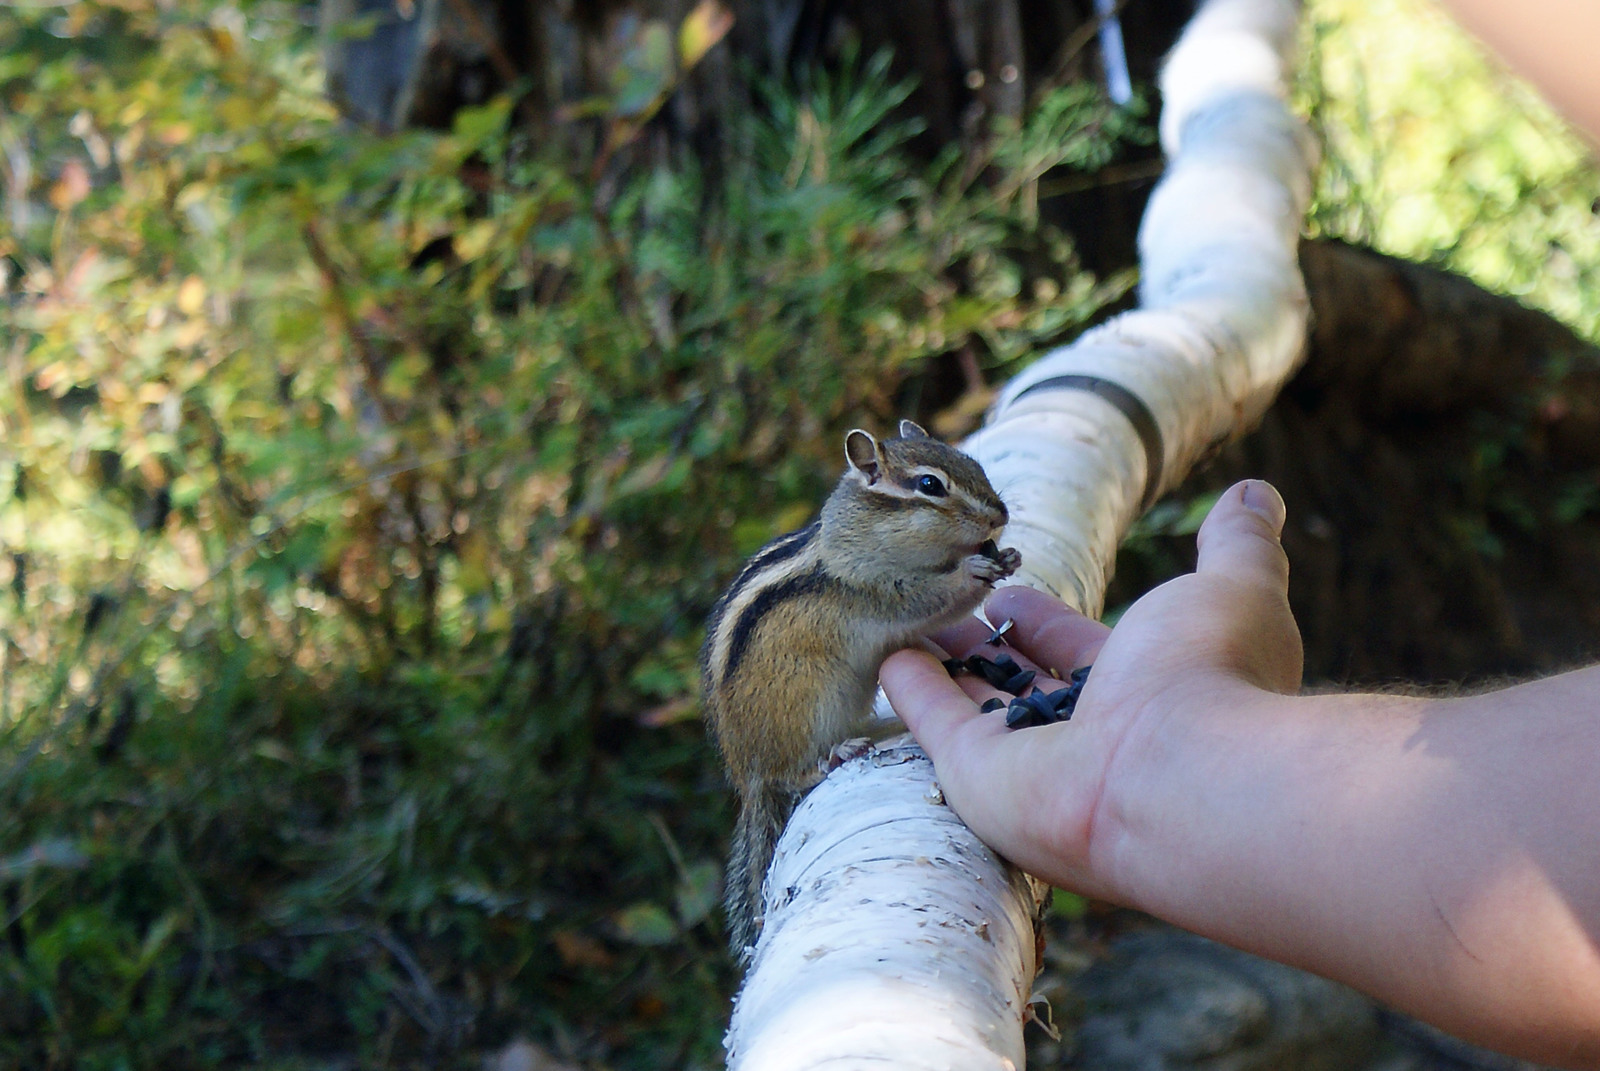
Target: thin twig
(1112,175)
(333,277)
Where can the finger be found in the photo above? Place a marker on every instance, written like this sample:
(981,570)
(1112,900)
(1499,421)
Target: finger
(963,637)
(1046,629)
(981,691)
(1239,538)
(932,705)
(963,642)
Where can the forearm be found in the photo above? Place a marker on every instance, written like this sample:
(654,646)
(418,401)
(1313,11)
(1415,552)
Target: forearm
(1549,42)
(1441,855)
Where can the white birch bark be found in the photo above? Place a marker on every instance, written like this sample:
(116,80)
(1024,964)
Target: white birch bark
(893,937)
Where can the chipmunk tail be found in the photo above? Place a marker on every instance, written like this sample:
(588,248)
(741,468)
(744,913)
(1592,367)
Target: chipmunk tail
(762,816)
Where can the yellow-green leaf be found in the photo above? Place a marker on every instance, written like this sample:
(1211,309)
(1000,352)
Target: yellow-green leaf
(646,924)
(702,28)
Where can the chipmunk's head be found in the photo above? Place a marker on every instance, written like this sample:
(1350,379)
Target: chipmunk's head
(918,492)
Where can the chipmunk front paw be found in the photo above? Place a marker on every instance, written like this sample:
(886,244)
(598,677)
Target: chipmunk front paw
(993,563)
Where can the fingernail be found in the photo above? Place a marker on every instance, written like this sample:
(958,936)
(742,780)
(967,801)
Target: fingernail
(1262,499)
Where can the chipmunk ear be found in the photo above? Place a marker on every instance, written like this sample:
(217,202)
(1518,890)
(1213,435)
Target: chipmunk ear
(910,429)
(864,454)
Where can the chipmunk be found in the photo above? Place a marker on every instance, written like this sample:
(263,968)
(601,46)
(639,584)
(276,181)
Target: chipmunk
(904,544)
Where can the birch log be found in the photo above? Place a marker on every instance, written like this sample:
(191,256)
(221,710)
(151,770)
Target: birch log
(893,937)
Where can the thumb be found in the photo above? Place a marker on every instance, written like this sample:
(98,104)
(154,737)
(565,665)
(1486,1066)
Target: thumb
(1239,539)
(1239,545)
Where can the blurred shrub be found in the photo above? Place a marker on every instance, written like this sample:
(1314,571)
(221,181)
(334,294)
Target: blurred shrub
(1434,153)
(360,499)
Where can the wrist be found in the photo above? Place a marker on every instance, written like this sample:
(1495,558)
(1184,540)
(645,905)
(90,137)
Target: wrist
(1277,823)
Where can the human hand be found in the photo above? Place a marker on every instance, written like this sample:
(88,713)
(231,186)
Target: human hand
(1396,844)
(1051,799)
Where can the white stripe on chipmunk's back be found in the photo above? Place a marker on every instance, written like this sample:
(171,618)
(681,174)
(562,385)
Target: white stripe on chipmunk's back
(777,562)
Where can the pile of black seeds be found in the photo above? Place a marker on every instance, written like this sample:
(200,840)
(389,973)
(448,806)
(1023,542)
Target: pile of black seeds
(1025,711)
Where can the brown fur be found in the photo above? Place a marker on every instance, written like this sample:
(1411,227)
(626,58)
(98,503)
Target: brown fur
(793,647)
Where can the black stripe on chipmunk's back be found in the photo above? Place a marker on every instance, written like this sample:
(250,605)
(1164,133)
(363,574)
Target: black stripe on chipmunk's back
(744,626)
(784,547)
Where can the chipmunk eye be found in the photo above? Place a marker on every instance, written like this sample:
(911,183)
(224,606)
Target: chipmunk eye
(931,485)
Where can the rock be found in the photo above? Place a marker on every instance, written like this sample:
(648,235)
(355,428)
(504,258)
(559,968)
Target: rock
(1167,1000)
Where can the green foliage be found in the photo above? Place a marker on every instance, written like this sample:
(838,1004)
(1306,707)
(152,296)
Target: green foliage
(1431,152)
(360,499)
(1434,153)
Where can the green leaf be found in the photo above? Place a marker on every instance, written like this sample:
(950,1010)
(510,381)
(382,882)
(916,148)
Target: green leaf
(700,30)
(645,73)
(1068,905)
(698,889)
(1194,514)
(646,923)
(484,126)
